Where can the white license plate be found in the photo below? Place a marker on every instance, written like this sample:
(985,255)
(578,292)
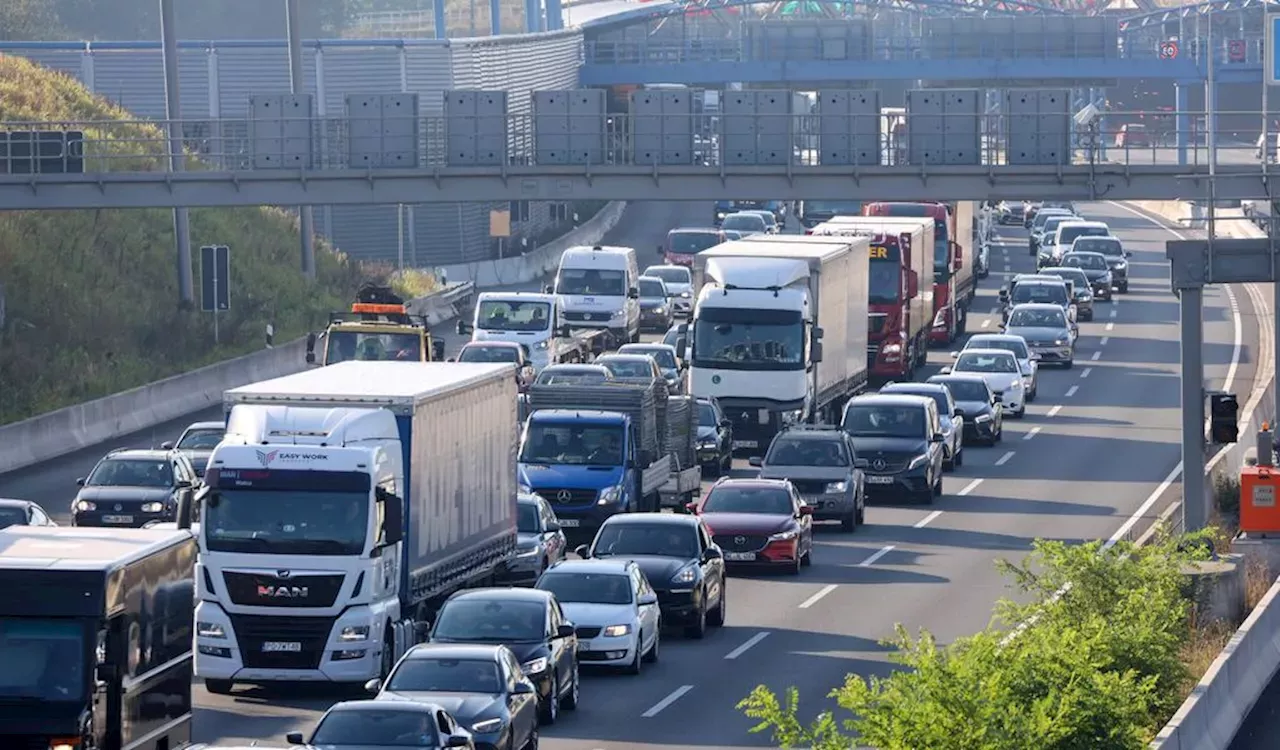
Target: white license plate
(879,480)
(740,556)
(281,646)
(117,519)
(744,444)
(570,523)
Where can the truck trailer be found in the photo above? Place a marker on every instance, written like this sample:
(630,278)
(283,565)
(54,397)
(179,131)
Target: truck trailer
(96,637)
(343,506)
(779,331)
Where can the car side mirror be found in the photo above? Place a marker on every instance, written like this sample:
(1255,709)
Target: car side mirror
(1128,253)
(806,510)
(553,527)
(681,349)
(583,551)
(373,686)
(523,688)
(451,359)
(945,371)
(756,461)
(955,355)
(464,328)
(633,293)
(548,289)
(437,349)
(1004,295)
(565,629)
(457,740)
(166,446)
(80,481)
(936,438)
(712,553)
(861,463)
(647,599)
(958,413)
(691,508)
(184,484)
(294,738)
(662,250)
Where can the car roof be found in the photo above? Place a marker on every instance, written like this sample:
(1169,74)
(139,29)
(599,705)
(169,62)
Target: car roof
(693,230)
(1054,270)
(889,399)
(1002,352)
(496,344)
(913,388)
(623,357)
(963,376)
(207,426)
(658,279)
(628,348)
(507,594)
(752,483)
(665,266)
(1038,306)
(1084,252)
(574,368)
(612,566)
(408,706)
(1046,280)
(13,502)
(674,519)
(996,336)
(812,433)
(479,651)
(747,212)
(152,453)
(1085,222)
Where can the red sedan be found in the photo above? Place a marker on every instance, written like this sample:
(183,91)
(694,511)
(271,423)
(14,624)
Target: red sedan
(759,522)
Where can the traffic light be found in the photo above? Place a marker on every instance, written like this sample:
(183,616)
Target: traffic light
(1223,414)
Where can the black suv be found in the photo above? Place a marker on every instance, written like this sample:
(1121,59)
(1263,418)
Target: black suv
(899,440)
(715,438)
(822,464)
(133,489)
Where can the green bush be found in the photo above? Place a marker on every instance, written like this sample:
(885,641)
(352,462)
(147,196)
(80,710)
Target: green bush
(1096,668)
(92,295)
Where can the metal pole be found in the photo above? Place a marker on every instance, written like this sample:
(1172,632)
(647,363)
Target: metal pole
(215,301)
(400,237)
(1211,137)
(177,159)
(1194,502)
(306,221)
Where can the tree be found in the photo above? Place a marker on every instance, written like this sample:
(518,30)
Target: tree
(28,19)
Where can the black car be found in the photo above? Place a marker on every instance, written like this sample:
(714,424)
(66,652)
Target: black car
(366,725)
(899,440)
(22,513)
(1095,267)
(715,438)
(676,553)
(197,443)
(983,416)
(1117,257)
(133,488)
(531,624)
(482,687)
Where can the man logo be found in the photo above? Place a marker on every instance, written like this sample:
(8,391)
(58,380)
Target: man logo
(266,458)
(283,592)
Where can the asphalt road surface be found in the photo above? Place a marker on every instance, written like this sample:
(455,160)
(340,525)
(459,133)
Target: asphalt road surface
(1093,452)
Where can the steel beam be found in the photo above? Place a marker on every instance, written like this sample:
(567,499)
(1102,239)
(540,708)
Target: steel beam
(655,182)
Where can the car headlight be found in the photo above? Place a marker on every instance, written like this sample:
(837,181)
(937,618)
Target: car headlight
(354,633)
(541,344)
(685,295)
(1016,385)
(982,418)
(613,631)
(527,553)
(687,574)
(610,495)
(784,536)
(918,461)
(488,726)
(86,505)
(152,507)
(1122,264)
(535,666)
(1059,342)
(210,630)
(617,314)
(707,443)
(836,486)
(660,309)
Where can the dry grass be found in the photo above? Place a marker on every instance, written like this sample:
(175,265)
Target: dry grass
(1202,647)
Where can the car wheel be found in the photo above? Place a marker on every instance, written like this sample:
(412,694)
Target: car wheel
(219,687)
(652,656)
(1124,288)
(793,568)
(948,463)
(861,513)
(807,558)
(958,461)
(849,523)
(1031,395)
(716,617)
(726,465)
(532,742)
(697,630)
(1070,363)
(937,490)
(570,701)
(635,667)
(549,710)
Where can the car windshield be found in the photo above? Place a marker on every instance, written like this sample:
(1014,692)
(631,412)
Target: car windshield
(286,522)
(983,362)
(588,588)
(427,675)
(807,452)
(574,445)
(624,368)
(744,222)
(489,354)
(497,315)
(967,390)
(773,501)
(491,619)
(1088,262)
(381,728)
(665,358)
(130,472)
(1048,293)
(528,518)
(940,399)
(707,416)
(605,283)
(561,377)
(1017,346)
(43,660)
(201,439)
(884,420)
(1038,319)
(658,539)
(670,274)
(12,516)
(345,346)
(652,289)
(1104,245)
(691,243)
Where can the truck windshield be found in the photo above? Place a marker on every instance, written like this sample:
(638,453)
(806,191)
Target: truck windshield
(576,445)
(286,522)
(591,281)
(885,282)
(44,659)
(736,339)
(345,346)
(495,315)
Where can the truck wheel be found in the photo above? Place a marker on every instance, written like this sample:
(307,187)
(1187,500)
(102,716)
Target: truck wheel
(219,687)
(388,659)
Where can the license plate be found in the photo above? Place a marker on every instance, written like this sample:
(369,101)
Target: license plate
(744,444)
(570,523)
(117,519)
(879,480)
(740,556)
(281,646)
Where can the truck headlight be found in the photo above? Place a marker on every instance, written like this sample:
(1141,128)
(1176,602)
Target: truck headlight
(615,631)
(541,344)
(833,487)
(210,630)
(918,461)
(152,507)
(610,495)
(535,666)
(617,314)
(354,633)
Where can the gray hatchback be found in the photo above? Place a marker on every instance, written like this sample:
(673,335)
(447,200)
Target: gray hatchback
(820,463)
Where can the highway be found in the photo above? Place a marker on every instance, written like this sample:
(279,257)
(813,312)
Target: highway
(1096,448)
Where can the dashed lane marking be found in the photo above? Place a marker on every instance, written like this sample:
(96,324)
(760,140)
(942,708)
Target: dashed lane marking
(807,603)
(927,520)
(970,487)
(675,695)
(1096,356)
(1004,459)
(1034,431)
(1054,411)
(740,650)
(867,563)
(1085,372)
(1072,391)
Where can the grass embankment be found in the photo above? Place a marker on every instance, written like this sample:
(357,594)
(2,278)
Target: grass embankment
(92,295)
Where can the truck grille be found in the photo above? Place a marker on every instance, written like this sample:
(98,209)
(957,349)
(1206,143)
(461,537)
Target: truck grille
(253,632)
(262,590)
(740,542)
(563,496)
(588,633)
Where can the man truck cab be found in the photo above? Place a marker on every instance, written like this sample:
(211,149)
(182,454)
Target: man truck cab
(597,287)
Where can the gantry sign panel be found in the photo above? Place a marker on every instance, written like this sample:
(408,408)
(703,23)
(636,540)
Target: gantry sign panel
(757,127)
(383,131)
(849,126)
(1038,126)
(944,126)
(662,127)
(569,126)
(280,131)
(476,128)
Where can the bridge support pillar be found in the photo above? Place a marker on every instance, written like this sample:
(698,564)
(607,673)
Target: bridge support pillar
(1182,121)
(495,17)
(437,14)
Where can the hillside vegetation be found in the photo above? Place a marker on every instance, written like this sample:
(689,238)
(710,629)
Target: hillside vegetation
(92,295)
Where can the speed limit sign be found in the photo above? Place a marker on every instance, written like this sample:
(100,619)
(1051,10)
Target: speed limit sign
(1168,50)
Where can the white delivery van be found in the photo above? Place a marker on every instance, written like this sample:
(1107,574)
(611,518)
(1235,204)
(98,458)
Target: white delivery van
(598,288)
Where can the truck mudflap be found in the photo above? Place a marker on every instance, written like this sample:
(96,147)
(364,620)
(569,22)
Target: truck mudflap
(681,487)
(655,475)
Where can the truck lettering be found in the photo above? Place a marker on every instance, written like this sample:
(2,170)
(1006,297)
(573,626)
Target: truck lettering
(880,252)
(283,592)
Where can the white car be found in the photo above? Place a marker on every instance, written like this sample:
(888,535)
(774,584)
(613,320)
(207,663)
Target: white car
(1028,362)
(679,281)
(1000,369)
(613,607)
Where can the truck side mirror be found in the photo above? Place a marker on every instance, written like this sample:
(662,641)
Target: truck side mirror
(437,350)
(818,333)
(563,331)
(105,673)
(755,461)
(815,352)
(311,348)
(464,328)
(392,518)
(913,284)
(680,347)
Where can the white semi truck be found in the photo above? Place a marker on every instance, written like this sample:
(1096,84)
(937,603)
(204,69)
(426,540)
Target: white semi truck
(343,506)
(779,331)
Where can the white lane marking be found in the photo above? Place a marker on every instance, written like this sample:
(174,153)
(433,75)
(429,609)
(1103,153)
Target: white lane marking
(1085,372)
(867,563)
(675,695)
(1113,314)
(753,640)
(1111,326)
(1096,356)
(970,487)
(986,323)
(1104,340)
(1138,514)
(1004,459)
(1237,342)
(1072,390)
(1034,431)
(1054,411)
(807,603)
(927,520)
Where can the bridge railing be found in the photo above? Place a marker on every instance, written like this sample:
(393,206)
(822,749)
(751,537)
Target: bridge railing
(760,138)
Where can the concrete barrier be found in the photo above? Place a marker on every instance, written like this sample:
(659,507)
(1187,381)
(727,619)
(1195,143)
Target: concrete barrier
(541,262)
